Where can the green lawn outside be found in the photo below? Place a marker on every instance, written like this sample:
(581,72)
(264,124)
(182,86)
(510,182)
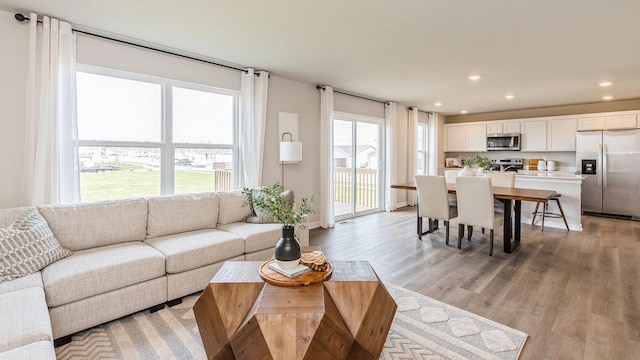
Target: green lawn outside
(113,185)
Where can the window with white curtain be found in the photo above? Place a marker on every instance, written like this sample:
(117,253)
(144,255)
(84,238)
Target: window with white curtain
(422,157)
(145,136)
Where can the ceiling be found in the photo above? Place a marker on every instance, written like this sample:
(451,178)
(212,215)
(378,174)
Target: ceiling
(414,52)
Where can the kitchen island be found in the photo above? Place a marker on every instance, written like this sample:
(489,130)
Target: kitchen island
(568,185)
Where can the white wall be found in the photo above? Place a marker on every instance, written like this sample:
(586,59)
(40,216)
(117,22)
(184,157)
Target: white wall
(13,78)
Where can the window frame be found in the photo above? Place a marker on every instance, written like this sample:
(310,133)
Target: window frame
(425,146)
(166,144)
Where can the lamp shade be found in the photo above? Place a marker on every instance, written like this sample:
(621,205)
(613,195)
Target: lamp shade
(290,151)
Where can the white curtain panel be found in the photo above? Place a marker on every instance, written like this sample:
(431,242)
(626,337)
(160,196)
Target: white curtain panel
(253,117)
(391,172)
(327,213)
(51,173)
(434,128)
(412,153)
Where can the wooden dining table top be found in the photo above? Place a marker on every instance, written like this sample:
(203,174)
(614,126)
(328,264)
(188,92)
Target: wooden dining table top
(499,192)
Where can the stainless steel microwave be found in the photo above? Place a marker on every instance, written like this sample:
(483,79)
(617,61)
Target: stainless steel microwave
(503,142)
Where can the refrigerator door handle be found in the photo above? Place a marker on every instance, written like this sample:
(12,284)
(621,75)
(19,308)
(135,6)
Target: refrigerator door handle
(604,165)
(599,177)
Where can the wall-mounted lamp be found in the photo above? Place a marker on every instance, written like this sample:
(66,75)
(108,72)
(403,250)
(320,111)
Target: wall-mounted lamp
(290,152)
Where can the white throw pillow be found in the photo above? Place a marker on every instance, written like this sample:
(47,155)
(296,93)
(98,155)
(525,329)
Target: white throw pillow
(27,246)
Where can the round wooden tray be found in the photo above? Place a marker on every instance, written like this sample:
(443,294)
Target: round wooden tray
(309,278)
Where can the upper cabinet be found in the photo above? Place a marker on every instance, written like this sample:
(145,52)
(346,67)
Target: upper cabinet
(534,135)
(626,121)
(561,134)
(471,137)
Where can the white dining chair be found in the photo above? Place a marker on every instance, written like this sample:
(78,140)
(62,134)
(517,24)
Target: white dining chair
(450,176)
(502,179)
(475,207)
(433,202)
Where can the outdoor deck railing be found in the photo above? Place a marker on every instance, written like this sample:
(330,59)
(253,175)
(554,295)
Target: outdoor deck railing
(222,179)
(366,188)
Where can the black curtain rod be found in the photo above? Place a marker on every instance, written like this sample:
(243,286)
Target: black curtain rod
(22,18)
(358,96)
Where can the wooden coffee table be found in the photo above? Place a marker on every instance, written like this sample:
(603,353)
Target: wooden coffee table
(348,316)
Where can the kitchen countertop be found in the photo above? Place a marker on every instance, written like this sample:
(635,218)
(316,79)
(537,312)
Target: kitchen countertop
(550,174)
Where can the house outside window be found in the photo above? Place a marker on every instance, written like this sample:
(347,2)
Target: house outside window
(145,136)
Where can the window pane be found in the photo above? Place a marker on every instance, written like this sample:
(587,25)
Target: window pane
(117,109)
(201,117)
(201,170)
(108,173)
(422,141)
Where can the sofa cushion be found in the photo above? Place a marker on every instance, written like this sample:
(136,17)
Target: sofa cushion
(195,249)
(33,280)
(95,271)
(232,208)
(179,213)
(25,318)
(263,216)
(85,226)
(40,350)
(257,236)
(28,246)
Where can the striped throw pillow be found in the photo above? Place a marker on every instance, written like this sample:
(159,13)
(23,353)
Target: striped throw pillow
(27,246)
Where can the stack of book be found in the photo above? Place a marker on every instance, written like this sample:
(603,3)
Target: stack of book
(292,272)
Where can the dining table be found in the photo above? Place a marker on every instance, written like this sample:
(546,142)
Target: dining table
(508,196)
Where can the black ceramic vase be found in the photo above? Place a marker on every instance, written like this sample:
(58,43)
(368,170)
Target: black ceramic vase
(287,250)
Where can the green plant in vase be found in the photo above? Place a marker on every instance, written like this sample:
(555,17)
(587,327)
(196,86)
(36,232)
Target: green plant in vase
(273,200)
(477,160)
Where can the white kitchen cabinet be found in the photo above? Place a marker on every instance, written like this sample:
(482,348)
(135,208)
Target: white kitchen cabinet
(534,135)
(561,134)
(592,123)
(465,137)
(455,137)
(511,127)
(627,121)
(494,128)
(476,137)
(620,122)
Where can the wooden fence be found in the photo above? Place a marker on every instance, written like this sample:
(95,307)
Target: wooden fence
(366,188)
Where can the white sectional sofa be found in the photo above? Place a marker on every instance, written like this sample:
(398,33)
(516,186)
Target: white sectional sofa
(128,255)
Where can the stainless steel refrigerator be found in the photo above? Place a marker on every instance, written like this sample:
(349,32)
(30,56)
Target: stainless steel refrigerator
(611,162)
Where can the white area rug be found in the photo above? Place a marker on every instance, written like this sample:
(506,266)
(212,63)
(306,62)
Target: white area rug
(423,328)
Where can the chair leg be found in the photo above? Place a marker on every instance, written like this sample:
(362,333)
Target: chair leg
(562,213)
(491,242)
(535,212)
(430,225)
(446,225)
(483,230)
(544,208)
(419,227)
(460,235)
(470,230)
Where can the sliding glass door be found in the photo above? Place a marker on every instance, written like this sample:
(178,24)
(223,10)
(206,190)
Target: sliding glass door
(357,159)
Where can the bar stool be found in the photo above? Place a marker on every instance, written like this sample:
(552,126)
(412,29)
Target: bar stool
(555,197)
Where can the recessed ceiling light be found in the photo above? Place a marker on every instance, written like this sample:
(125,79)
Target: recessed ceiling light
(473,77)
(463,111)
(509,97)
(608,97)
(437,103)
(605,83)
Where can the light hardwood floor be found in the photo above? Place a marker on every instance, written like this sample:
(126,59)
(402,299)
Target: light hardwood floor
(577,294)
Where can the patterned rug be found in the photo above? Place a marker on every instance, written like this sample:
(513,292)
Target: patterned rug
(423,328)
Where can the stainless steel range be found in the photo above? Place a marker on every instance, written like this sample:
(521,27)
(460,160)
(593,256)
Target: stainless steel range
(507,164)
